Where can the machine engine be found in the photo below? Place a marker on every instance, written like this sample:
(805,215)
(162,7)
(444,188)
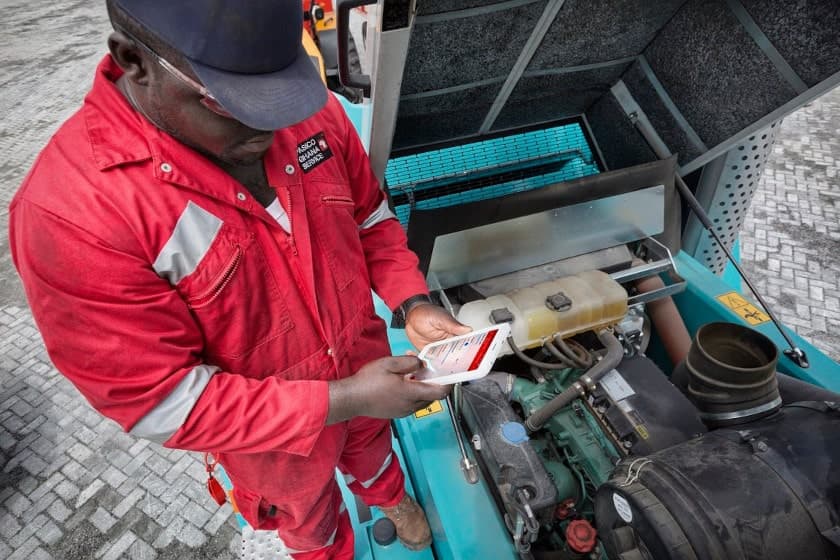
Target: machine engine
(579,429)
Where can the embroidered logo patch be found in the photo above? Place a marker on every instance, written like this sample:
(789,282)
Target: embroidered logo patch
(313,152)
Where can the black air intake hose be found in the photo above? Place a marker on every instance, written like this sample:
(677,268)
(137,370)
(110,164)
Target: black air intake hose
(587,381)
(731,374)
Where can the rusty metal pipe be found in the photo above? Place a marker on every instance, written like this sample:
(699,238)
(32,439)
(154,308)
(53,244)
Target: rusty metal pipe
(666,318)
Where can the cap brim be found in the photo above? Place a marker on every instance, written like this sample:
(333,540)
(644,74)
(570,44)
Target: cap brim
(268,101)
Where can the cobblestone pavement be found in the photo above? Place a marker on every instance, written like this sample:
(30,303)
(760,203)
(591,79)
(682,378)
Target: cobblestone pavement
(791,237)
(73,486)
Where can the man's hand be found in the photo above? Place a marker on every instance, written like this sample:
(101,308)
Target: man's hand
(381,390)
(427,323)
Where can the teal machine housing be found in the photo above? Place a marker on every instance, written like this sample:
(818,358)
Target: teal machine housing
(473,102)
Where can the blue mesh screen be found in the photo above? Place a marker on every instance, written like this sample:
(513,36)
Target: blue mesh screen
(488,169)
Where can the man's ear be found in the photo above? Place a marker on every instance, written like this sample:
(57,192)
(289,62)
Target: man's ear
(131,58)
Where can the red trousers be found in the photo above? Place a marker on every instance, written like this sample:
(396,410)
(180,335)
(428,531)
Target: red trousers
(371,471)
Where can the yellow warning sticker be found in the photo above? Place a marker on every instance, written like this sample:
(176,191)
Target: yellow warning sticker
(433,408)
(743,308)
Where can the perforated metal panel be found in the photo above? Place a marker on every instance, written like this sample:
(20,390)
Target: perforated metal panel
(728,198)
(488,169)
(262,545)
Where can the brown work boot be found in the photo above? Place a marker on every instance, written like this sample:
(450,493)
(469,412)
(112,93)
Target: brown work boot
(410,521)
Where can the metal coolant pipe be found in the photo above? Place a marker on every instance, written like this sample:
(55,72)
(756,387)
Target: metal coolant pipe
(615,352)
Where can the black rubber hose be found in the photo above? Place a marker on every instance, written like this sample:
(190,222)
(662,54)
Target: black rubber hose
(791,389)
(532,362)
(574,352)
(615,352)
(794,390)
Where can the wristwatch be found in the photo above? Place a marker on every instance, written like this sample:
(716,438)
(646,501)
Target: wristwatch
(401,312)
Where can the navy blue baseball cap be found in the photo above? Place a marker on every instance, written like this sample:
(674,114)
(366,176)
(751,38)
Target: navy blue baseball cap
(248,54)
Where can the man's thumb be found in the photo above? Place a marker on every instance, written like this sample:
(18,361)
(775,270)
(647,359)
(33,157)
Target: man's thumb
(404,364)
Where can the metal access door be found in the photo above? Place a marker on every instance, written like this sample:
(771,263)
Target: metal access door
(706,74)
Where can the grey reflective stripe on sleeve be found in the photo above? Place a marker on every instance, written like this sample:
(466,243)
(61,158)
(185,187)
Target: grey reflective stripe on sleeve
(164,420)
(194,233)
(369,482)
(382,213)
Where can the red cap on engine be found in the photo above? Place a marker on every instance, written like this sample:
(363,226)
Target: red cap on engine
(581,535)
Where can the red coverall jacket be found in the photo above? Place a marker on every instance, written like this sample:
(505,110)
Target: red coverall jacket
(167,294)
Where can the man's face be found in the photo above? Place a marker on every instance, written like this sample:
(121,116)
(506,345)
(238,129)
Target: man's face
(177,107)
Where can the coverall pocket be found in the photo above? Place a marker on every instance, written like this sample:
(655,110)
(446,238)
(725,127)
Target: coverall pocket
(338,234)
(257,512)
(234,296)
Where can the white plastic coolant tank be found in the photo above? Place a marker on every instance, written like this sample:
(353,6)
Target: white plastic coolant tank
(574,304)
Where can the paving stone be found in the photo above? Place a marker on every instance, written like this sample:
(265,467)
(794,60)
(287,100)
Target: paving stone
(17,504)
(129,502)
(139,550)
(9,526)
(80,452)
(219,518)
(25,550)
(46,486)
(37,507)
(40,554)
(59,511)
(191,536)
(195,514)
(50,533)
(117,549)
(27,530)
(67,490)
(88,492)
(102,520)
(28,485)
(113,476)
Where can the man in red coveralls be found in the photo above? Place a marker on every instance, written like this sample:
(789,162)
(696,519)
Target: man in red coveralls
(198,245)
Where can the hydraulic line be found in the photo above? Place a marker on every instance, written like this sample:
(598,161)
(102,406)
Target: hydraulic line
(615,352)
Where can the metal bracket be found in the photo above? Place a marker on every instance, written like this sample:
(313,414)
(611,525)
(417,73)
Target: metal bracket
(661,261)
(797,356)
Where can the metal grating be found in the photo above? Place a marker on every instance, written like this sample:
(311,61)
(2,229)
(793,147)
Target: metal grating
(488,169)
(738,182)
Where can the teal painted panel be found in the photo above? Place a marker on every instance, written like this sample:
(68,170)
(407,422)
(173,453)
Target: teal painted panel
(464,520)
(366,547)
(359,115)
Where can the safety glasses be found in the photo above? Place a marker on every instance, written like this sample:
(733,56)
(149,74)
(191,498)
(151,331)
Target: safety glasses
(207,99)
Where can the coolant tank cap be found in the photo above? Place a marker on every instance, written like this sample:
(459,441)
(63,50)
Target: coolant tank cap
(514,432)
